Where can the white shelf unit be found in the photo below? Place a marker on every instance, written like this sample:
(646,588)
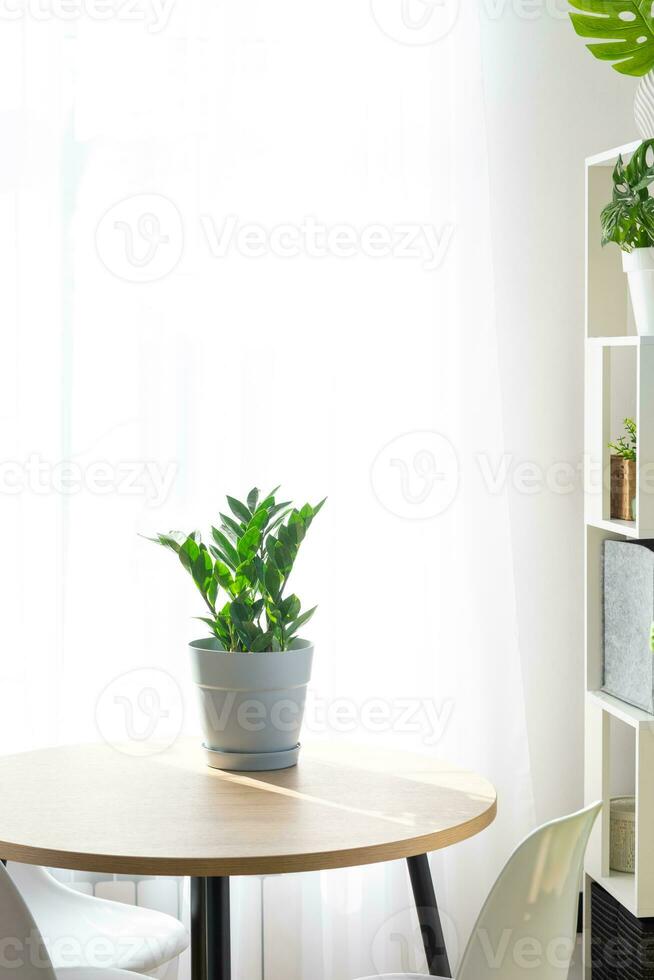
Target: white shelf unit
(619,738)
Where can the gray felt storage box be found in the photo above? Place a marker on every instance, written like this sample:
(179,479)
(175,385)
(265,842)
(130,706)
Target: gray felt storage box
(628,615)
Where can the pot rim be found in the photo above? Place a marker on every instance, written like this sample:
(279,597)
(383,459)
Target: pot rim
(639,259)
(209,645)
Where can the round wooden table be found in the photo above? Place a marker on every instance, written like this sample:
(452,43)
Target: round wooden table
(98,808)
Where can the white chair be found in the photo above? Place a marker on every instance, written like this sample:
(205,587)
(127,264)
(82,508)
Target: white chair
(23,955)
(81,930)
(527,927)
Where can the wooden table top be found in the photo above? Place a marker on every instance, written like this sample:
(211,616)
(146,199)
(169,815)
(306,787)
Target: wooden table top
(95,808)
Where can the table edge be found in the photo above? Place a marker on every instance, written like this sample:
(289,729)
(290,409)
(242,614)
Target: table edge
(268,864)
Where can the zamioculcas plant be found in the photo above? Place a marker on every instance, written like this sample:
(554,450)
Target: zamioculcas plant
(622,32)
(242,573)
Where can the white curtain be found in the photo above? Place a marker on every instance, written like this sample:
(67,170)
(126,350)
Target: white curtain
(260,243)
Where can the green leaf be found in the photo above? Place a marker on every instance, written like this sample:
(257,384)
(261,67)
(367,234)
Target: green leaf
(319,506)
(221,556)
(260,567)
(188,553)
(205,619)
(249,543)
(273,614)
(256,609)
(270,497)
(239,510)
(202,570)
(628,43)
(275,524)
(239,613)
(294,532)
(259,520)
(230,525)
(222,574)
(293,627)
(247,634)
(262,642)
(248,571)
(173,540)
(272,581)
(275,508)
(290,607)
(225,545)
(253,497)
(283,558)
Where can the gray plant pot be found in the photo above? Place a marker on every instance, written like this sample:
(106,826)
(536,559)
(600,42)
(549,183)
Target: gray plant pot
(251,704)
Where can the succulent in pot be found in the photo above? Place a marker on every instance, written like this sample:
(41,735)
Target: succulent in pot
(623,474)
(252,672)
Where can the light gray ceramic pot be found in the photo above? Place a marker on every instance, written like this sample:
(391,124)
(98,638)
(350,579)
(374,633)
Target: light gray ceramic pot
(251,704)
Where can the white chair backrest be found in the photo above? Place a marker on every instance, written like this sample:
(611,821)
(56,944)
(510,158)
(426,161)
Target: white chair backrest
(528,924)
(23,955)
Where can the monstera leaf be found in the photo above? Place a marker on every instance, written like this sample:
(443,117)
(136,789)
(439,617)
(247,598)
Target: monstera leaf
(629,219)
(624,30)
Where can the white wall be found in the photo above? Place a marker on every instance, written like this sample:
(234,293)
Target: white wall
(550,104)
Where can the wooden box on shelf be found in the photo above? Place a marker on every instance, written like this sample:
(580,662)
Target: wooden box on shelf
(623,488)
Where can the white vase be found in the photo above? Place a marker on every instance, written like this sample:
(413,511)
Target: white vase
(644,106)
(639,266)
(251,704)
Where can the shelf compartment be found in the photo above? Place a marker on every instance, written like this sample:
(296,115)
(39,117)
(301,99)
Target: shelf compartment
(635,892)
(608,308)
(619,384)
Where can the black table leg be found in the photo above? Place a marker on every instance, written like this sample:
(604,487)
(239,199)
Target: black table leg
(218,935)
(428,917)
(198,929)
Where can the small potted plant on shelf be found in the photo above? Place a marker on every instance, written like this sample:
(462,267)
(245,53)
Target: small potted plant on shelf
(623,474)
(252,672)
(628,221)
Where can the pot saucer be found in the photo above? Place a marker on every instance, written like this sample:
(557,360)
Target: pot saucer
(251,761)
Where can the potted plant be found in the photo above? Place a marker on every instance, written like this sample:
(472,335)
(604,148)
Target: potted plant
(253,670)
(623,474)
(622,31)
(628,221)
